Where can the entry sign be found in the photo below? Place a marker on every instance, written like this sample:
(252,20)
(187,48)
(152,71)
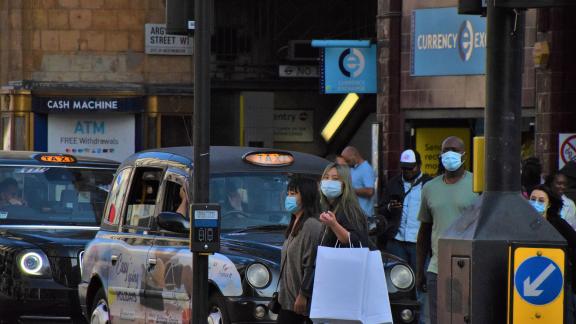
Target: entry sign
(538,285)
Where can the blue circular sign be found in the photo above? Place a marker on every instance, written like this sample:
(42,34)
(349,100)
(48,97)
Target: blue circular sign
(538,280)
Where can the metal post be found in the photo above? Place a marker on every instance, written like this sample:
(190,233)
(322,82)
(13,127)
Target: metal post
(505,30)
(201,169)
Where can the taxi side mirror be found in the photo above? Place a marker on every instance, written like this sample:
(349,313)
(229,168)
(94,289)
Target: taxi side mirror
(173,222)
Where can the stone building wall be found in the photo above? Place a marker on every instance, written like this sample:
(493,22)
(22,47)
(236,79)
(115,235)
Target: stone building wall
(84,41)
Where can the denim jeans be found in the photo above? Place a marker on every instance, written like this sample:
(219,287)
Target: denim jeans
(432,285)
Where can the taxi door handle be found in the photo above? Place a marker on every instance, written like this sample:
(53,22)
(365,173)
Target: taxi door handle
(114,258)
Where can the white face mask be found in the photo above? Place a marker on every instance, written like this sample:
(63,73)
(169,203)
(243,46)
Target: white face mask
(452,161)
(331,188)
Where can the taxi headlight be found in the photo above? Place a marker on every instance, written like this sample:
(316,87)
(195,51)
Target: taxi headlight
(401,276)
(258,275)
(34,263)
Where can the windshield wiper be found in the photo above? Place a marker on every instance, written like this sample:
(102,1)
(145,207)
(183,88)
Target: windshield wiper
(262,228)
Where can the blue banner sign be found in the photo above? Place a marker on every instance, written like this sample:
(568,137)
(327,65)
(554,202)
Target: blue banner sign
(88,104)
(446,43)
(349,70)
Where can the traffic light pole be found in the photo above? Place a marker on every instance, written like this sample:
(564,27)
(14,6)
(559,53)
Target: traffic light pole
(201,140)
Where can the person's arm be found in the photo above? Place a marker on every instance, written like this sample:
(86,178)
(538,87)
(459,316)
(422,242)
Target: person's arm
(310,248)
(364,192)
(424,240)
(342,234)
(367,189)
(423,245)
(183,207)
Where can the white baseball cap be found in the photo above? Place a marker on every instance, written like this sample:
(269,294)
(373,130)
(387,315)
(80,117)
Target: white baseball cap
(408,159)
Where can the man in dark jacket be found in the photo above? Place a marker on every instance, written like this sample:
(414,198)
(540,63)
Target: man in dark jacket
(400,206)
(569,170)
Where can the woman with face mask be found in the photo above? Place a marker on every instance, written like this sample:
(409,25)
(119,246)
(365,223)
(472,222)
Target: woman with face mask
(548,204)
(299,251)
(341,214)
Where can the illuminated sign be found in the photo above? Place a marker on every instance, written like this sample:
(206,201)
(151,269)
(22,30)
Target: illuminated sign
(269,158)
(56,158)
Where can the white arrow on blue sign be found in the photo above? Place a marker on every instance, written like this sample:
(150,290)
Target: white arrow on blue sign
(538,280)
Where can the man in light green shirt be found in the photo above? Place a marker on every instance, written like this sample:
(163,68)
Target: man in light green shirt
(444,198)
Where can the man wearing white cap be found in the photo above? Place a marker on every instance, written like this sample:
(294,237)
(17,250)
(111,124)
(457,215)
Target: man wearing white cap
(400,206)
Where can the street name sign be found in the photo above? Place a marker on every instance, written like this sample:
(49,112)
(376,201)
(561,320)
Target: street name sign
(536,285)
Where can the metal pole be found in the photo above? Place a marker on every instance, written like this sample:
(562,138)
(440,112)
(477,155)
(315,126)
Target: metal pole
(505,33)
(201,169)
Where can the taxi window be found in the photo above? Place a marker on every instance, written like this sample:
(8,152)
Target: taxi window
(142,197)
(115,197)
(42,195)
(250,200)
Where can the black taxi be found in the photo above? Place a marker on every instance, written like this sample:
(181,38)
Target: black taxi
(50,208)
(138,268)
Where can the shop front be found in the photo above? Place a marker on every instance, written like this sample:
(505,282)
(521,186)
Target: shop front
(102,123)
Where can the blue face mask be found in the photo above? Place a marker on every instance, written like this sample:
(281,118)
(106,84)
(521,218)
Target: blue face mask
(539,206)
(291,204)
(331,188)
(452,160)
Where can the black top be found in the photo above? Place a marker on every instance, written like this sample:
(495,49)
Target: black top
(358,237)
(570,235)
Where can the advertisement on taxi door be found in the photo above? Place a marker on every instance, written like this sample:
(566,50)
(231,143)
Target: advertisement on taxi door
(104,136)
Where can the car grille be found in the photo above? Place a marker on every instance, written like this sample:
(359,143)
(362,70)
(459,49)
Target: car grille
(65,271)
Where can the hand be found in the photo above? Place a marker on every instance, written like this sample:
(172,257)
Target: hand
(300,305)
(421,282)
(328,218)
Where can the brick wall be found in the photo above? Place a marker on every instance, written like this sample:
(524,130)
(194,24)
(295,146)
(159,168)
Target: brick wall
(454,91)
(555,85)
(84,40)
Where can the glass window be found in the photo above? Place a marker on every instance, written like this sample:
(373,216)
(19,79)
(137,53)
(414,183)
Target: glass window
(173,201)
(142,197)
(176,131)
(250,200)
(43,195)
(116,196)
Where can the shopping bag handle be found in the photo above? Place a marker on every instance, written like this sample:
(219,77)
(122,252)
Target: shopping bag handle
(337,244)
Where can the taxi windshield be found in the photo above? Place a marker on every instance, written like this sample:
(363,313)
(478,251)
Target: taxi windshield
(250,201)
(40,195)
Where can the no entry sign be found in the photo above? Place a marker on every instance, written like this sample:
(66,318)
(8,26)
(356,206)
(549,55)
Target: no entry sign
(567,146)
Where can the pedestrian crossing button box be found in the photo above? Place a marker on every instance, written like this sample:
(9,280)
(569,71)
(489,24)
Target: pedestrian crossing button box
(205,229)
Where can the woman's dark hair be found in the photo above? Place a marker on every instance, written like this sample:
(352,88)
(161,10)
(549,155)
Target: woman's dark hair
(310,201)
(555,201)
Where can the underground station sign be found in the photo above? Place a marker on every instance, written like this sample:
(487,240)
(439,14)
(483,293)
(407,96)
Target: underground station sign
(536,285)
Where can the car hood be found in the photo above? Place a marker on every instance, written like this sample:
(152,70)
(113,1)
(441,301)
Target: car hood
(247,247)
(61,241)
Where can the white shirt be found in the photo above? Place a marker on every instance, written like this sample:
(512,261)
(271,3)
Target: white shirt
(568,211)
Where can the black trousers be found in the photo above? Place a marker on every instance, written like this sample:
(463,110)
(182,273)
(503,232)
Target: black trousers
(289,317)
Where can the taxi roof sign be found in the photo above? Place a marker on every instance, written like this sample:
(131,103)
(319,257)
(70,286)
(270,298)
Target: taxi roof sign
(55,158)
(269,158)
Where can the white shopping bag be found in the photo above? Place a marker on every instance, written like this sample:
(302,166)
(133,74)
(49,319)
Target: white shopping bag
(376,302)
(339,283)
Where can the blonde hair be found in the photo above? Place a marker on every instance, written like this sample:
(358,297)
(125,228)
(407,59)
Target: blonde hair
(347,203)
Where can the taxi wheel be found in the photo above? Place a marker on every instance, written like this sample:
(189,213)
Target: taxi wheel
(100,313)
(217,310)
